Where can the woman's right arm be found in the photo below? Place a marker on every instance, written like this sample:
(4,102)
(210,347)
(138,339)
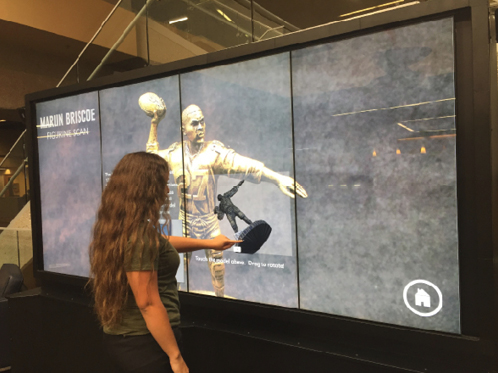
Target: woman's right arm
(187,244)
(146,292)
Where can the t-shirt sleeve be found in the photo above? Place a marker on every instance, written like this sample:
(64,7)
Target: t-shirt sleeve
(136,261)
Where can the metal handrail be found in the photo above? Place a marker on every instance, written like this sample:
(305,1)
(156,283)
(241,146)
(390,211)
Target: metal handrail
(15,229)
(250,19)
(272,17)
(11,149)
(121,38)
(4,190)
(90,42)
(264,13)
(144,8)
(272,29)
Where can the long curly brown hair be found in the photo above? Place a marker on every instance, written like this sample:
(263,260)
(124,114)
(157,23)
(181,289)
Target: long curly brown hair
(128,214)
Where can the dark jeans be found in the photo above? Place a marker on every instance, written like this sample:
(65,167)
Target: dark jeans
(139,353)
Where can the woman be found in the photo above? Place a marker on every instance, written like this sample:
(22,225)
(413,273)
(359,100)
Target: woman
(134,267)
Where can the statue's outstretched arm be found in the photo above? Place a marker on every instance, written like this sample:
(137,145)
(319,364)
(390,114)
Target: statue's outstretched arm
(255,171)
(286,184)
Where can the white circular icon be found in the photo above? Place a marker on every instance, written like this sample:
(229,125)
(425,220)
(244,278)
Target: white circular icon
(422,297)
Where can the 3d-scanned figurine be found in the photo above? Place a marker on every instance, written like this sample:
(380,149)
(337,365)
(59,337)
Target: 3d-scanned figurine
(227,207)
(203,162)
(254,236)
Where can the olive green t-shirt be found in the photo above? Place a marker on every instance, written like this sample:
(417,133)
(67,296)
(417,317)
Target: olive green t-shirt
(166,264)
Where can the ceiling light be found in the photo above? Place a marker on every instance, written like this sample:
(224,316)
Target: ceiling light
(178,20)
(224,15)
(3,120)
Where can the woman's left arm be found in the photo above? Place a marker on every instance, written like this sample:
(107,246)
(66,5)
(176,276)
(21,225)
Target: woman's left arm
(187,244)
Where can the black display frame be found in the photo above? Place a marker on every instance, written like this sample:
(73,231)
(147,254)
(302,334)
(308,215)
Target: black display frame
(477,171)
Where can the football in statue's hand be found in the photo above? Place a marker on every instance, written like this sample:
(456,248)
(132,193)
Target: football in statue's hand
(149,102)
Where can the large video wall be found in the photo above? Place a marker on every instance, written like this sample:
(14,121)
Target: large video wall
(362,128)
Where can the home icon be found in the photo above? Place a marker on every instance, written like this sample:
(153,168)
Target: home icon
(422,298)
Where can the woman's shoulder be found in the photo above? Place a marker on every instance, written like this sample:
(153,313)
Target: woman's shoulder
(165,244)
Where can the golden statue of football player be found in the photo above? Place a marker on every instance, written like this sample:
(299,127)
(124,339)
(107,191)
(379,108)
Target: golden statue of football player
(204,162)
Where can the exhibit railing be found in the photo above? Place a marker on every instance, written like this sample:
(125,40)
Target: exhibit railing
(139,33)
(150,32)
(12,179)
(14,187)
(16,246)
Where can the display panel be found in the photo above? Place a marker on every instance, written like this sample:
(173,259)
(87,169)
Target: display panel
(126,128)
(238,127)
(375,138)
(373,120)
(70,180)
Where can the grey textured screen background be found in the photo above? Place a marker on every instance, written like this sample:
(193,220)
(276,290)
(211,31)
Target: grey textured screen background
(247,107)
(375,143)
(70,184)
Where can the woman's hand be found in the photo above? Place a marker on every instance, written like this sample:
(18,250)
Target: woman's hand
(221,243)
(178,365)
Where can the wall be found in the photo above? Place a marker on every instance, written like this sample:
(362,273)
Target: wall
(27,70)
